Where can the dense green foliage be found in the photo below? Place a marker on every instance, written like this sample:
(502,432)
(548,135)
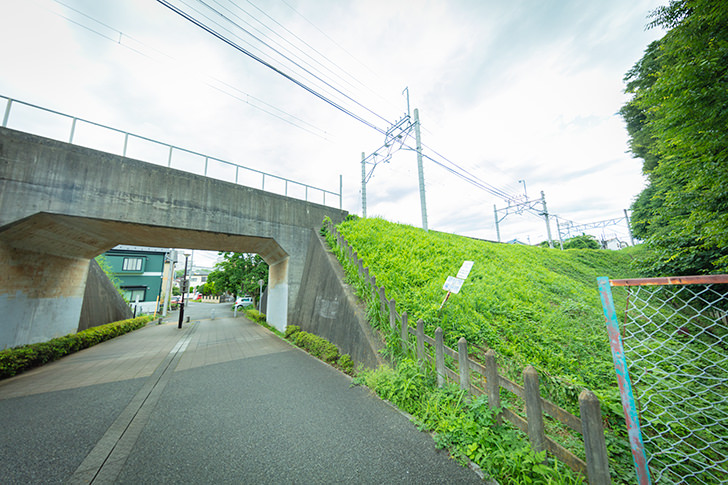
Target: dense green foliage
(585,241)
(19,359)
(239,273)
(531,305)
(677,120)
(320,348)
(467,428)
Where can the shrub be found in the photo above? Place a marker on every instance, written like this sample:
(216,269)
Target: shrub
(18,359)
(291,330)
(320,348)
(346,364)
(255,315)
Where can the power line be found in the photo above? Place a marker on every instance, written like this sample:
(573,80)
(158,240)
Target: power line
(269,65)
(340,47)
(295,46)
(121,41)
(296,64)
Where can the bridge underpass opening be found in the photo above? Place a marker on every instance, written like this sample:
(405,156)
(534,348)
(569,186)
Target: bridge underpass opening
(61,205)
(46,257)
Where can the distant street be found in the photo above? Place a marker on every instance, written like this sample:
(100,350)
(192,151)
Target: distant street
(219,401)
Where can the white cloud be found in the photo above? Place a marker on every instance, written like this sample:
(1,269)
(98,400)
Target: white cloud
(523,90)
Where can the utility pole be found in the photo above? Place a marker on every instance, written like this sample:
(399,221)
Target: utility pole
(546,217)
(420,171)
(363,186)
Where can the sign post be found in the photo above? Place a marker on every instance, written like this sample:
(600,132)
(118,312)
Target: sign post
(454,283)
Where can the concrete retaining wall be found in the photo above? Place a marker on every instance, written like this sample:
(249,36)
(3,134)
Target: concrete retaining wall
(102,304)
(328,307)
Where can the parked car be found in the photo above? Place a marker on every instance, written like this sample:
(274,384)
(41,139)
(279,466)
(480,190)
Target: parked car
(176,300)
(243,301)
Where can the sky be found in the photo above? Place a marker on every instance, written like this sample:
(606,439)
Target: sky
(521,95)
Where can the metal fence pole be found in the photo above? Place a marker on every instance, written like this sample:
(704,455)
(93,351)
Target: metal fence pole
(7,113)
(73,130)
(625,384)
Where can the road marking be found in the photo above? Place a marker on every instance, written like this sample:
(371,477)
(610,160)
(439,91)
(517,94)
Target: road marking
(104,463)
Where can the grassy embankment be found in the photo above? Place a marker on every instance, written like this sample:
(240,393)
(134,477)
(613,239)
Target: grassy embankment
(531,305)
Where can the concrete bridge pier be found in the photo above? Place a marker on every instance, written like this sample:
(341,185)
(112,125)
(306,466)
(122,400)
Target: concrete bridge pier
(43,291)
(277,311)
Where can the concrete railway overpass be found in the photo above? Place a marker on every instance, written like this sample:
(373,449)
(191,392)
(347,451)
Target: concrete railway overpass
(61,205)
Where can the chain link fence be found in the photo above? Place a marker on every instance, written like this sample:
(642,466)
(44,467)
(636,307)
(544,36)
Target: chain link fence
(671,358)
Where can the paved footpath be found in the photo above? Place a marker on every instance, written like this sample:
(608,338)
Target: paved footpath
(220,401)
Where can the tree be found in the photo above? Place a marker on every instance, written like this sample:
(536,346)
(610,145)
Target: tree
(677,120)
(585,241)
(209,289)
(239,273)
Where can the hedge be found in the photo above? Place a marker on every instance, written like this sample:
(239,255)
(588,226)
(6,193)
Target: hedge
(18,359)
(320,348)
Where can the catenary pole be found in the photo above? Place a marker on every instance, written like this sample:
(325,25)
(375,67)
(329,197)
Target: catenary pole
(497,229)
(546,218)
(363,186)
(420,171)
(629,226)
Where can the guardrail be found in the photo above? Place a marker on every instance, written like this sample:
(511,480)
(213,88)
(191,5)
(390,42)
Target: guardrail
(309,191)
(470,373)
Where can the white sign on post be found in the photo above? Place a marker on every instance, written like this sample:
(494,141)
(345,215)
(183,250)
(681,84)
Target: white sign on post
(465,270)
(453,284)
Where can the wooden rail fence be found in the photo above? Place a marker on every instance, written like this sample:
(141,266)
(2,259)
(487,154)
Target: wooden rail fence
(589,425)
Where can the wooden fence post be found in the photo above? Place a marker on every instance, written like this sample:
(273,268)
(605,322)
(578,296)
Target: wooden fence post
(439,358)
(597,460)
(464,364)
(382,300)
(491,382)
(404,333)
(536,433)
(421,340)
(393,314)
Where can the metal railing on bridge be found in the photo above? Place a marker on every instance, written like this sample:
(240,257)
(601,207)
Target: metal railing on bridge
(105,138)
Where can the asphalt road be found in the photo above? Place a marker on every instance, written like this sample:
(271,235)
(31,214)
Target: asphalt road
(220,401)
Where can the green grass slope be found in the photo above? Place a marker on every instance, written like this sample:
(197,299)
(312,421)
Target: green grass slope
(531,305)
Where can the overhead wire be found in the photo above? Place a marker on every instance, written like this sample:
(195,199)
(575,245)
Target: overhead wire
(319,132)
(341,48)
(280,49)
(270,66)
(446,164)
(296,64)
(294,46)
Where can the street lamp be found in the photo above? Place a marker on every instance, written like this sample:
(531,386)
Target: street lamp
(260,295)
(184,288)
(524,188)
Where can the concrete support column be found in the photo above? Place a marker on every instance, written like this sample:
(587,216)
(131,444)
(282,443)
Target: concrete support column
(277,308)
(41,295)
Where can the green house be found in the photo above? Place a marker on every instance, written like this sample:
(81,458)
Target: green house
(140,271)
